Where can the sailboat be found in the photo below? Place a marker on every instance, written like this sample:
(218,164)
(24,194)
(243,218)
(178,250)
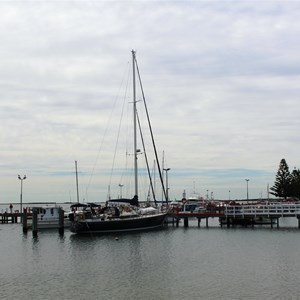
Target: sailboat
(127,215)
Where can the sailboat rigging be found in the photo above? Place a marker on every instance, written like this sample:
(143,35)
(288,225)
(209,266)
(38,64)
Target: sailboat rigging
(152,137)
(121,217)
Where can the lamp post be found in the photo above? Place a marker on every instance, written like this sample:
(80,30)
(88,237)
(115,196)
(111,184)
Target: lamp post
(121,185)
(21,195)
(247,180)
(167,186)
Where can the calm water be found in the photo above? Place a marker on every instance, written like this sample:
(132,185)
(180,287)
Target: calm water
(175,263)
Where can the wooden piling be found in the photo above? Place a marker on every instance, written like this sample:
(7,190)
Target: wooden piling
(61,221)
(175,220)
(199,221)
(34,222)
(271,222)
(206,222)
(228,222)
(24,221)
(186,222)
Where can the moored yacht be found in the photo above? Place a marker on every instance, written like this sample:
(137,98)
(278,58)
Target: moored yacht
(128,215)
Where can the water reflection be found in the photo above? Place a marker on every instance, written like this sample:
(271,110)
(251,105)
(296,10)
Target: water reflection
(177,263)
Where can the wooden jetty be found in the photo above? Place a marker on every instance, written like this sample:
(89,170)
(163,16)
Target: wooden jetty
(229,215)
(35,222)
(52,217)
(205,215)
(244,215)
(13,217)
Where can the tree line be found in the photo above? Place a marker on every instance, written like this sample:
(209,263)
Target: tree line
(287,184)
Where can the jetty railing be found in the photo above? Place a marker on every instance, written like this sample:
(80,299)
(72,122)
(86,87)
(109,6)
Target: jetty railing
(242,214)
(268,210)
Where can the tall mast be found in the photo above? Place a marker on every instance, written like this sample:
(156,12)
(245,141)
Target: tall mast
(134,127)
(77,181)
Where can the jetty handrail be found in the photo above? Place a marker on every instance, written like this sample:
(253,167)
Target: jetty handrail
(271,209)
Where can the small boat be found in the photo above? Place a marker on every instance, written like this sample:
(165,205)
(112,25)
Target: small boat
(194,204)
(48,217)
(122,215)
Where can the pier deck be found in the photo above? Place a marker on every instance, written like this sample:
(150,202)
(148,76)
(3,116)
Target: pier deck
(244,215)
(7,217)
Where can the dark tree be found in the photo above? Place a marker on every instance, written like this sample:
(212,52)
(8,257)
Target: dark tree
(282,185)
(295,182)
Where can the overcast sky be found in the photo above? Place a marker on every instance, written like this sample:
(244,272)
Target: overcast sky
(221,80)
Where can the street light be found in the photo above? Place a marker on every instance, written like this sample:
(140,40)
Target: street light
(121,185)
(247,180)
(167,187)
(24,177)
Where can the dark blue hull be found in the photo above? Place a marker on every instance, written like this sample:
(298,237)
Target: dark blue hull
(146,222)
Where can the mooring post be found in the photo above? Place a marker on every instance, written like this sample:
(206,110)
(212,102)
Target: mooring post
(271,222)
(61,221)
(173,220)
(228,222)
(199,221)
(298,222)
(206,222)
(186,222)
(24,221)
(277,222)
(34,222)
(178,219)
